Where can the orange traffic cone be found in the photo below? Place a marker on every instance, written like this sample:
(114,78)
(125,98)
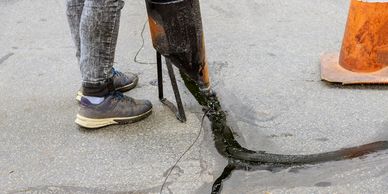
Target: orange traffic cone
(364,55)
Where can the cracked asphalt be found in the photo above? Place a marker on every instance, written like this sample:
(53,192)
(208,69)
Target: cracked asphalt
(264,62)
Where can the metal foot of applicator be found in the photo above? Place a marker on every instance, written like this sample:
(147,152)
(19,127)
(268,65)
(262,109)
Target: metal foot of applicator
(178,110)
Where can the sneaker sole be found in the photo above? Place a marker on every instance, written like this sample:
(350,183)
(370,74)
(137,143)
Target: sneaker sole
(122,89)
(99,123)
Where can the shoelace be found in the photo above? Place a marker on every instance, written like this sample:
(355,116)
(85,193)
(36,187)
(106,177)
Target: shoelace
(116,73)
(120,96)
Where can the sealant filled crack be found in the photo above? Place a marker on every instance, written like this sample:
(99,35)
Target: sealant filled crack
(244,159)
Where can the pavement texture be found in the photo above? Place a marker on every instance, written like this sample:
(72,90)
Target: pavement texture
(264,61)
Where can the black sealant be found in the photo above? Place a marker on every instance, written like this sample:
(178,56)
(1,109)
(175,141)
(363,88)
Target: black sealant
(241,158)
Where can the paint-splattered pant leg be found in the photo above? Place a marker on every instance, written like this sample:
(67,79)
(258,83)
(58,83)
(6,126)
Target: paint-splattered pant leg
(94,25)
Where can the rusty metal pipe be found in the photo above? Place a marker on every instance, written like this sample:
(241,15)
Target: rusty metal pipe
(177,34)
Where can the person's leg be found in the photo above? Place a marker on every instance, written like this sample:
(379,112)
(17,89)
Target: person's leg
(99,28)
(122,82)
(74,11)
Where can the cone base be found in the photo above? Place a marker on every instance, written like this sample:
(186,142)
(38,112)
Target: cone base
(333,72)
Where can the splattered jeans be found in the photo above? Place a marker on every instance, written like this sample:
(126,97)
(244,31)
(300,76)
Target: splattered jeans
(94,25)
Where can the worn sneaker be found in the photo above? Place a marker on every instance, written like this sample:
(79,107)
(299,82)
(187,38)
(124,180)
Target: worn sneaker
(115,109)
(121,83)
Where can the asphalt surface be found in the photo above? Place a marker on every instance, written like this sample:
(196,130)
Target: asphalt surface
(264,58)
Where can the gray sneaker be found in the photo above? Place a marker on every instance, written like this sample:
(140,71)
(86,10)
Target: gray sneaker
(121,82)
(115,109)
